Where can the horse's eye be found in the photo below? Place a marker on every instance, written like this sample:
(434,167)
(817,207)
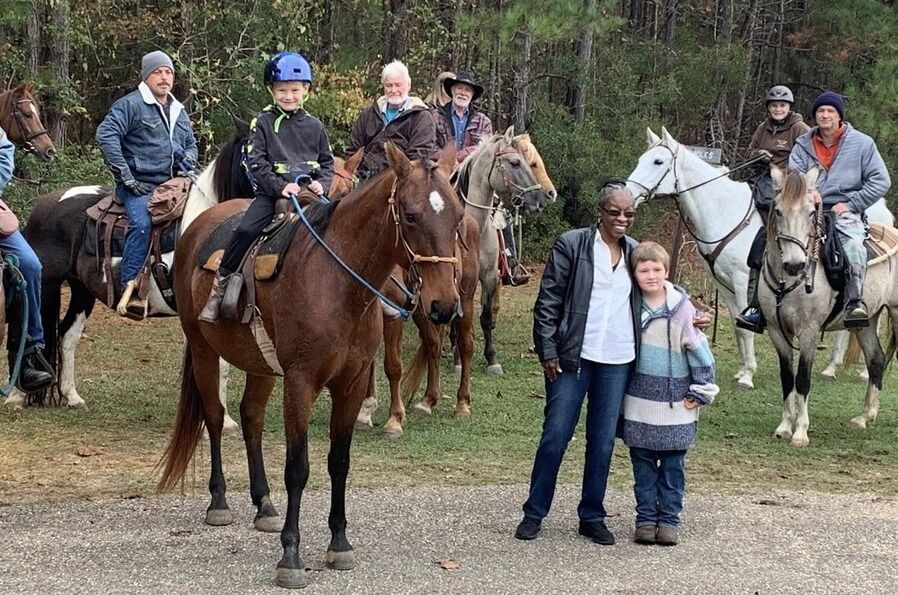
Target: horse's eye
(659,161)
(411,218)
(27,114)
(515,162)
(778,212)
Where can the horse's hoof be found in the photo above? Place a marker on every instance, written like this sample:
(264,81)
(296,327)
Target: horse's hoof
(828,374)
(864,374)
(458,371)
(361,424)
(341,560)
(77,403)
(495,370)
(860,421)
(392,431)
(738,375)
(799,442)
(291,578)
(746,382)
(782,435)
(230,427)
(463,412)
(219,517)
(268,524)
(422,409)
(15,402)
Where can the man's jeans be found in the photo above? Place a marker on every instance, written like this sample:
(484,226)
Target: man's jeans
(659,483)
(604,384)
(31,270)
(851,229)
(137,238)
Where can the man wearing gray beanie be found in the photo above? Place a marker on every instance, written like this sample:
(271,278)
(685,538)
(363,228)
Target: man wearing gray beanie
(853,176)
(146,139)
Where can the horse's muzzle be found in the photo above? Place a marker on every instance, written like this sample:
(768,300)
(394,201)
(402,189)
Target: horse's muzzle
(439,314)
(793,268)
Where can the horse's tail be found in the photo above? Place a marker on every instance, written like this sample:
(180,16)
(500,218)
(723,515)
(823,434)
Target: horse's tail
(414,374)
(853,351)
(188,429)
(893,340)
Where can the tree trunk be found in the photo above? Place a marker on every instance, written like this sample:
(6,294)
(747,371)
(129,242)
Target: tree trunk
(392,30)
(724,22)
(59,57)
(522,82)
(670,17)
(33,39)
(578,103)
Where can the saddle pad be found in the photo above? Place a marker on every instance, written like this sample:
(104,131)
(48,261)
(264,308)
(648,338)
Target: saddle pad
(881,243)
(94,239)
(269,253)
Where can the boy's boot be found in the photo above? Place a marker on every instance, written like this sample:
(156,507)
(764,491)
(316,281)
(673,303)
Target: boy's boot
(752,318)
(212,310)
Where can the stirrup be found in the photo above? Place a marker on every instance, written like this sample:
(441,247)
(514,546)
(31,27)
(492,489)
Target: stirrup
(857,317)
(755,324)
(130,305)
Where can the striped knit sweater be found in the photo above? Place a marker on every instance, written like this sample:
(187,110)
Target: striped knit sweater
(675,361)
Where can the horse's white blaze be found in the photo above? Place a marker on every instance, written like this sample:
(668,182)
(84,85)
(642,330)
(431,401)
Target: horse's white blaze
(33,108)
(436,202)
(67,373)
(79,190)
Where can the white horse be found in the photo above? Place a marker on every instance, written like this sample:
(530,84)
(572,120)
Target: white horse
(721,216)
(55,231)
(798,317)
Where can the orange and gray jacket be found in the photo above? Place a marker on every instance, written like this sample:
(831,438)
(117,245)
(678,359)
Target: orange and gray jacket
(282,145)
(412,130)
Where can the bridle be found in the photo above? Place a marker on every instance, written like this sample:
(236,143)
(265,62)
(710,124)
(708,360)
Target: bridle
(19,116)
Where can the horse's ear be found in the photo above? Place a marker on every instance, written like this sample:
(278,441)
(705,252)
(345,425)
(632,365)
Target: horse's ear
(447,159)
(509,133)
(354,161)
(811,177)
(397,160)
(240,125)
(652,137)
(668,139)
(778,175)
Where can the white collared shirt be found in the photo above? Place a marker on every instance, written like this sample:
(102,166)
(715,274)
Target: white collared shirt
(608,338)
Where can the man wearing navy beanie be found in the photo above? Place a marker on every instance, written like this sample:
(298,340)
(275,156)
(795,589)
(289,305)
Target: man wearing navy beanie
(853,176)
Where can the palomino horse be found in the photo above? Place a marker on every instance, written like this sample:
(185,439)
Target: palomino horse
(20,118)
(56,229)
(408,214)
(498,167)
(720,214)
(798,302)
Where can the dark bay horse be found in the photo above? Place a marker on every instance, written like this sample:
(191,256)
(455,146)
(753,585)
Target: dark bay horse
(56,229)
(326,328)
(20,118)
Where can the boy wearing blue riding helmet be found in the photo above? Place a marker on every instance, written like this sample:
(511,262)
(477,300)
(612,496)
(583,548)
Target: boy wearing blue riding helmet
(285,141)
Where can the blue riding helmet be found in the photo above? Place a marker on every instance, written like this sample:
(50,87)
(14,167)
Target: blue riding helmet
(288,66)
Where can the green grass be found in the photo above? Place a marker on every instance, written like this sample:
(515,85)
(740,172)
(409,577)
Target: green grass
(129,375)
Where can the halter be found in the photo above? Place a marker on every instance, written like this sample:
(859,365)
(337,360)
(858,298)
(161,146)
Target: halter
(27,137)
(414,258)
(517,192)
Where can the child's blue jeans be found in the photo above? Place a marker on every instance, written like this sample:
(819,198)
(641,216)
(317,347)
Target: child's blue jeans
(659,484)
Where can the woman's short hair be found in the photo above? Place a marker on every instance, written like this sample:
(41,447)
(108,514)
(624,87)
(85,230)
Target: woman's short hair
(393,68)
(607,188)
(649,252)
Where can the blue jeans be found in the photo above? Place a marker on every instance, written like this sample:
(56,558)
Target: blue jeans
(137,238)
(659,483)
(31,270)
(605,385)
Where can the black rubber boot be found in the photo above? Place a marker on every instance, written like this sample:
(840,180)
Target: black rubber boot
(752,318)
(35,374)
(855,315)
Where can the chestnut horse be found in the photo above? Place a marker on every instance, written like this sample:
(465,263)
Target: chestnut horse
(326,328)
(20,118)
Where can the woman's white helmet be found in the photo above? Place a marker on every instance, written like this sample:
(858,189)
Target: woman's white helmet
(780,93)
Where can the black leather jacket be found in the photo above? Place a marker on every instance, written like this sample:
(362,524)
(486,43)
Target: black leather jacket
(559,315)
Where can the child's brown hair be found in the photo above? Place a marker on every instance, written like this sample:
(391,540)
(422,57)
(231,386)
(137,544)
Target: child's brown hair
(649,251)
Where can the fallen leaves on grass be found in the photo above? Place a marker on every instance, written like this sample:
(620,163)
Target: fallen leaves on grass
(89,451)
(450,565)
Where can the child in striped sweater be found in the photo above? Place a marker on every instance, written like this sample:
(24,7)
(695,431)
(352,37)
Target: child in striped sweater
(674,376)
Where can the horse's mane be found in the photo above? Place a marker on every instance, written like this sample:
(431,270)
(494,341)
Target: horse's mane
(319,215)
(462,176)
(794,189)
(7,99)
(229,180)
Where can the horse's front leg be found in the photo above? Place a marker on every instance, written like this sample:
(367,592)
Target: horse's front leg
(465,329)
(252,412)
(488,293)
(298,398)
(746,342)
(393,370)
(807,346)
(875,359)
(787,381)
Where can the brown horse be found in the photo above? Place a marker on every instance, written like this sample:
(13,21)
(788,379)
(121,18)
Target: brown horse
(20,118)
(326,328)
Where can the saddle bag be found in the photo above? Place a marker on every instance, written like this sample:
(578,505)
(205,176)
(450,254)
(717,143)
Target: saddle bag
(831,256)
(168,200)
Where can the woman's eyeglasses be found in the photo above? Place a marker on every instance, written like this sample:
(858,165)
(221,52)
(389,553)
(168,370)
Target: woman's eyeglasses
(614,213)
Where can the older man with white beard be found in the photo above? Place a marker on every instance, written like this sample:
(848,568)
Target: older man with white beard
(395,116)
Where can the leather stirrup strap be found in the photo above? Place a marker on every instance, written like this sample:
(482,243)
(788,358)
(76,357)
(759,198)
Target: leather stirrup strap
(108,224)
(251,315)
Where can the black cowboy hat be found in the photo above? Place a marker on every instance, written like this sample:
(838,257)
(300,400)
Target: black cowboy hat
(466,78)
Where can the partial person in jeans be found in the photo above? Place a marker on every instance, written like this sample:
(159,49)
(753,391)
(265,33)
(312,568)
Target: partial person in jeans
(35,373)
(586,336)
(140,138)
(674,376)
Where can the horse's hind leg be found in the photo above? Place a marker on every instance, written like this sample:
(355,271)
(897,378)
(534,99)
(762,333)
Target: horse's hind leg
(71,327)
(252,412)
(746,342)
(229,426)
(393,370)
(431,337)
(787,381)
(875,359)
(489,293)
(840,344)
(465,329)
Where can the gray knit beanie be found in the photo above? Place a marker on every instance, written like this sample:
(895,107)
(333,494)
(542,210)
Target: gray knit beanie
(152,61)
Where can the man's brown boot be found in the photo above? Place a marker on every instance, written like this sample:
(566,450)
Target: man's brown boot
(211,311)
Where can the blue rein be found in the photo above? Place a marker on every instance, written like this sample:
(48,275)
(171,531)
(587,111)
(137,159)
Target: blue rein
(404,313)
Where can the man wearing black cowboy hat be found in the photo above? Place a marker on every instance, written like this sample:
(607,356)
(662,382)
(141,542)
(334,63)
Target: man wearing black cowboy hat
(458,121)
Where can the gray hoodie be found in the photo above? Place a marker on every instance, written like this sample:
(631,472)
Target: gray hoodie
(858,175)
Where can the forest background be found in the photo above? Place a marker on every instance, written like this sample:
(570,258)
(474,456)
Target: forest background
(584,77)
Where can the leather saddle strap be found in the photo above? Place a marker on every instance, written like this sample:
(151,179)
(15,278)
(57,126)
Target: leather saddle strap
(251,315)
(108,223)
